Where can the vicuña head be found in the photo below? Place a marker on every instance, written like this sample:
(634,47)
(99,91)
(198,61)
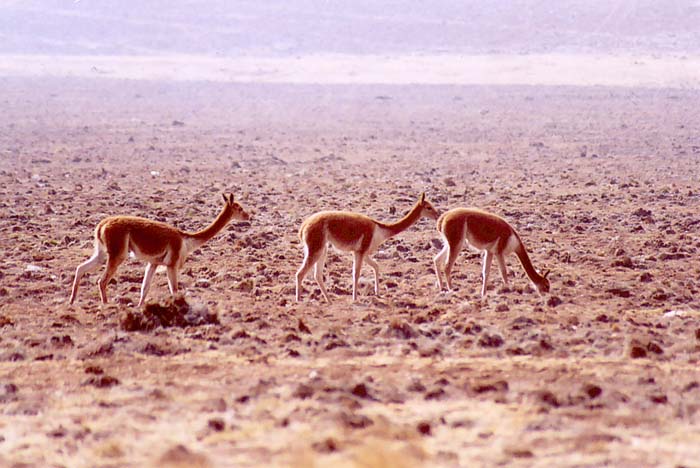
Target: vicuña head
(154,242)
(351,232)
(488,233)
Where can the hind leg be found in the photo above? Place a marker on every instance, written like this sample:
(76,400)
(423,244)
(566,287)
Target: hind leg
(454,251)
(439,263)
(112,265)
(318,273)
(89,265)
(310,259)
(356,269)
(502,267)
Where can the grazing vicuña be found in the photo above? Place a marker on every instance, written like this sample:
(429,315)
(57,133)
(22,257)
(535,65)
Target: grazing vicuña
(486,232)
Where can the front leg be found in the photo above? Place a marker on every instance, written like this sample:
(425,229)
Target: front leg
(172,280)
(356,268)
(488,258)
(147,279)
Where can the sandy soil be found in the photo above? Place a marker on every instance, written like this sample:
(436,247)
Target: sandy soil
(601,183)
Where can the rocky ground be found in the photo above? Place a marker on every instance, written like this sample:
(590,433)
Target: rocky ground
(601,183)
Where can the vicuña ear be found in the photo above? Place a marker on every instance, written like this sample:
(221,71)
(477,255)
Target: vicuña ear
(422,197)
(230,198)
(223,195)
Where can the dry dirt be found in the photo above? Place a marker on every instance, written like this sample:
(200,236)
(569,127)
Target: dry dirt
(602,184)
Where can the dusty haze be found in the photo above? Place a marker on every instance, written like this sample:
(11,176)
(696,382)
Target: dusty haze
(576,121)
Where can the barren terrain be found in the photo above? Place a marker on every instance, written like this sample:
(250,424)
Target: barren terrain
(601,183)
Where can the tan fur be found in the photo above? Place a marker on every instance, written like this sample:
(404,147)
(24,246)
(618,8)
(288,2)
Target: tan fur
(488,233)
(352,232)
(152,241)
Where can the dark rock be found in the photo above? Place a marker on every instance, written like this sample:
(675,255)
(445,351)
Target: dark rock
(522,322)
(174,312)
(554,301)
(328,445)
(360,391)
(637,352)
(400,329)
(593,391)
(498,386)
(435,394)
(659,398)
(548,398)
(355,420)
(301,326)
(216,424)
(424,428)
(646,277)
(654,348)
(303,391)
(416,386)
(490,341)
(102,381)
(620,292)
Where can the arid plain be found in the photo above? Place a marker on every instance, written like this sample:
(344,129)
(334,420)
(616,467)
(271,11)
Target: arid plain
(601,182)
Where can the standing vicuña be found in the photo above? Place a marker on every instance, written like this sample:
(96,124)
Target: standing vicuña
(485,232)
(351,232)
(152,241)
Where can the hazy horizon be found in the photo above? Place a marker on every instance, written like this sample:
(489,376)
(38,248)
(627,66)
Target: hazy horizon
(281,28)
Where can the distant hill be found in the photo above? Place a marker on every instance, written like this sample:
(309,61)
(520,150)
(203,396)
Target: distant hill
(288,27)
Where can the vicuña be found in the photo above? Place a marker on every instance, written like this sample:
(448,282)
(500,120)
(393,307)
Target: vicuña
(488,233)
(351,232)
(154,242)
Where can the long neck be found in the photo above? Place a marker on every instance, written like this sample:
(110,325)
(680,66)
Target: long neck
(527,264)
(404,223)
(199,238)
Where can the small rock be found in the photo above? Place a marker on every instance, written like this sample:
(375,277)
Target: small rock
(360,391)
(216,424)
(659,398)
(654,348)
(424,428)
(498,386)
(303,391)
(547,397)
(301,326)
(637,352)
(593,391)
(355,420)
(646,277)
(554,301)
(103,381)
(328,445)
(490,341)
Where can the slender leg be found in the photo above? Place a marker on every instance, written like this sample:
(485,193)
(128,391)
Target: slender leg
(318,273)
(310,259)
(502,267)
(439,263)
(172,279)
(112,265)
(356,268)
(454,253)
(89,265)
(488,258)
(147,279)
(375,267)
